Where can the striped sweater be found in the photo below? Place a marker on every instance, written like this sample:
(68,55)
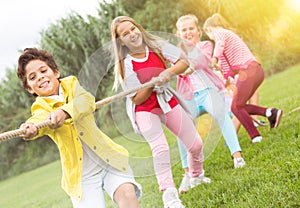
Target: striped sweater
(231,50)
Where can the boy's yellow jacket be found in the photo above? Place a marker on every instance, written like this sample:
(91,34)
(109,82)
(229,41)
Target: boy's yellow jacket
(80,105)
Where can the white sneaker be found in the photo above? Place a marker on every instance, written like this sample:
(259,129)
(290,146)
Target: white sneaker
(239,162)
(171,198)
(198,180)
(185,184)
(257,139)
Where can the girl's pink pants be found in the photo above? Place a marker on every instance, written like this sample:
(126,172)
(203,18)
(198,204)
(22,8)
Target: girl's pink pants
(181,125)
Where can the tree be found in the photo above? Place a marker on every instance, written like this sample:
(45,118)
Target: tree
(77,45)
(81,46)
(16,155)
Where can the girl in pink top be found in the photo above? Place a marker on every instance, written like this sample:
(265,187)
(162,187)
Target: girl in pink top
(202,90)
(140,57)
(242,62)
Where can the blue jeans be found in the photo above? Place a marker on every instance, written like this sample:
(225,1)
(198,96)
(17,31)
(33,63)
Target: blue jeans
(211,101)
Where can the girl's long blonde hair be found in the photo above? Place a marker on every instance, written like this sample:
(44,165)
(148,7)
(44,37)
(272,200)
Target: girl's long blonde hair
(120,51)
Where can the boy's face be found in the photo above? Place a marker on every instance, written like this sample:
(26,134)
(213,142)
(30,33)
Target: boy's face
(41,79)
(189,31)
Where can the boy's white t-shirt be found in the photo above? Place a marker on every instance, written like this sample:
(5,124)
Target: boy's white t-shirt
(60,97)
(92,164)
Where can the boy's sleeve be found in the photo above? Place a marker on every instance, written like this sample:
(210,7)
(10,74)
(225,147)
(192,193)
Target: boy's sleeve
(80,103)
(39,114)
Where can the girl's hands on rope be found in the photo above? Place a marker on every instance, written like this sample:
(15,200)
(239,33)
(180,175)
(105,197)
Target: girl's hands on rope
(213,64)
(179,67)
(189,71)
(163,77)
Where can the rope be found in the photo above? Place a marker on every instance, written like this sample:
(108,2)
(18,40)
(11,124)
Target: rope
(292,111)
(18,132)
(15,133)
(125,93)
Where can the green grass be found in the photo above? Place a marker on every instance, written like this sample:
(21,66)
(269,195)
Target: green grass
(270,179)
(35,189)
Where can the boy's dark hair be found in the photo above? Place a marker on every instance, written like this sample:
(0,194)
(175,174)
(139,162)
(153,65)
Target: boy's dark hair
(30,54)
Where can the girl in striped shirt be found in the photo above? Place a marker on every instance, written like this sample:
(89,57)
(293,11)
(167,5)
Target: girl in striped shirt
(230,48)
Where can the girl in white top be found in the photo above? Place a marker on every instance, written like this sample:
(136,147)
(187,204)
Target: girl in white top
(140,57)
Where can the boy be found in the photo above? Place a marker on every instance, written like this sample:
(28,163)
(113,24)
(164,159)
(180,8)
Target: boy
(91,161)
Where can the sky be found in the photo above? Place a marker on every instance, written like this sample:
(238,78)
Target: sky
(22,21)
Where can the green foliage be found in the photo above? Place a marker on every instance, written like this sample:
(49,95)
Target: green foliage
(14,102)
(267,27)
(14,107)
(131,6)
(18,156)
(71,42)
(159,15)
(81,46)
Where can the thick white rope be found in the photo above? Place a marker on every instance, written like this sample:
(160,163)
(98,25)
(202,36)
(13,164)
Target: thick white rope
(125,93)
(16,133)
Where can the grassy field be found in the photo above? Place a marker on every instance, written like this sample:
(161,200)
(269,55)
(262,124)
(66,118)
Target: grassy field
(270,179)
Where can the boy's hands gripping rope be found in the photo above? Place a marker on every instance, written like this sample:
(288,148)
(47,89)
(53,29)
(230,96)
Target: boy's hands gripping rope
(31,131)
(56,119)
(178,68)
